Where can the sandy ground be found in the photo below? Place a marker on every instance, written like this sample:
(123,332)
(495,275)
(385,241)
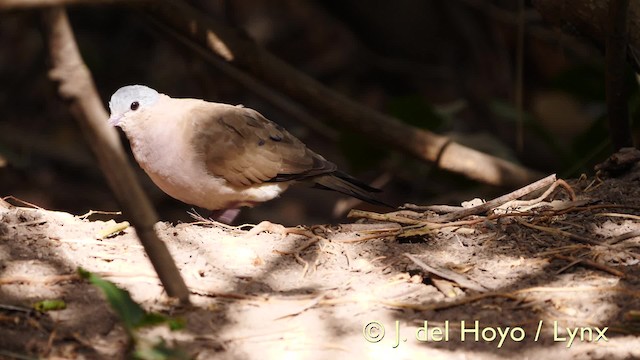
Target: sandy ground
(510,286)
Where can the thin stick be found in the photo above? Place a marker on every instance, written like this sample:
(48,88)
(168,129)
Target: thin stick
(447,274)
(622,237)
(548,192)
(590,263)
(520,78)
(559,232)
(23,202)
(499,200)
(615,76)
(76,86)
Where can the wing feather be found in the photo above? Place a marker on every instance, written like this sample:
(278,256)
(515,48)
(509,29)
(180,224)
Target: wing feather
(243,147)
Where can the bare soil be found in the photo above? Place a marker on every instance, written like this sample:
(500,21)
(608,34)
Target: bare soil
(326,293)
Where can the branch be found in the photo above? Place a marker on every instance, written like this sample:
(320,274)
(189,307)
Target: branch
(77,88)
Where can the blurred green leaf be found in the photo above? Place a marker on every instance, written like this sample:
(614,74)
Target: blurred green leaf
(415,111)
(176,324)
(508,112)
(585,82)
(159,351)
(634,108)
(131,313)
(361,153)
(49,305)
(590,147)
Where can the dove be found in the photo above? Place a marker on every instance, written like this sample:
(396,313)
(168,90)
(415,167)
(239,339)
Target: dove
(218,156)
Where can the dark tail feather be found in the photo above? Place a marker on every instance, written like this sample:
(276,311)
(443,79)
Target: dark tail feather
(348,185)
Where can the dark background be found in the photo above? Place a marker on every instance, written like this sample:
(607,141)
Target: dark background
(444,65)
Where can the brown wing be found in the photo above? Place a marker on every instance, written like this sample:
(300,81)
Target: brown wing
(243,147)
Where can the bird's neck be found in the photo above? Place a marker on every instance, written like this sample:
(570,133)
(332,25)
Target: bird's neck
(156,142)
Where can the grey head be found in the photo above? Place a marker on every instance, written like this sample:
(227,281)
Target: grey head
(129,99)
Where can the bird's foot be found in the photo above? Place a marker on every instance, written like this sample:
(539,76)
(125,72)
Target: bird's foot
(225,216)
(219,221)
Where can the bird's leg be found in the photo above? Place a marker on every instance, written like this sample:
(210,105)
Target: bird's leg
(222,217)
(225,216)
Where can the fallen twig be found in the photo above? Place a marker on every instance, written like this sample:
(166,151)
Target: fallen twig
(390,217)
(461,280)
(559,232)
(587,262)
(482,208)
(21,201)
(559,182)
(99,212)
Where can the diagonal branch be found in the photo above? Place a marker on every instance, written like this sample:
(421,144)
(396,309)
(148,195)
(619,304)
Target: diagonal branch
(76,86)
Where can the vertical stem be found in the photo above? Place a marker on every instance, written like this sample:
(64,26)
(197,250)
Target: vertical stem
(76,86)
(615,62)
(520,78)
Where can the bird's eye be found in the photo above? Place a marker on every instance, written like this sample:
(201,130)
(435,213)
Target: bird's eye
(135,105)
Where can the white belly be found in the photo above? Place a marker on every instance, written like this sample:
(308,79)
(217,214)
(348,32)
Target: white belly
(209,192)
